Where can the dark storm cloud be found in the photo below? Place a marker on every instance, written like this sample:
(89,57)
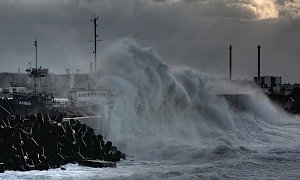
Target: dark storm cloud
(193,33)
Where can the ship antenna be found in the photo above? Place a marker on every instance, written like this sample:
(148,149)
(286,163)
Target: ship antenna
(94,20)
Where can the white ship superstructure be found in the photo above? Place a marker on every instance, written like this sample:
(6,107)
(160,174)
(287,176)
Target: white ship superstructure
(98,96)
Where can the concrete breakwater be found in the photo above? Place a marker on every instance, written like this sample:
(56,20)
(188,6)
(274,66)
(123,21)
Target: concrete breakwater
(41,142)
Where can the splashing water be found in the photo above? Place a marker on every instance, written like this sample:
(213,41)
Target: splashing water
(158,114)
(173,125)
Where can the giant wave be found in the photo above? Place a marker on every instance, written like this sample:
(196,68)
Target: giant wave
(175,115)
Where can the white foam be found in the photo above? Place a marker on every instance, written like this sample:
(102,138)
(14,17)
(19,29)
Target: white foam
(160,114)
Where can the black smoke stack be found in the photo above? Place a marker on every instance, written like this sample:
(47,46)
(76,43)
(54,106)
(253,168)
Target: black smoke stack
(230,62)
(258,66)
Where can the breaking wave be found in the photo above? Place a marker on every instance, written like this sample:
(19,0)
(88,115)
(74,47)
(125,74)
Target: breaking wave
(161,114)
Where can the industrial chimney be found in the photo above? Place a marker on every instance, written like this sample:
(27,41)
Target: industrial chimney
(258,67)
(230,62)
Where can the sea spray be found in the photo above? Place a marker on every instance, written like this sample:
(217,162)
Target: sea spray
(176,125)
(165,115)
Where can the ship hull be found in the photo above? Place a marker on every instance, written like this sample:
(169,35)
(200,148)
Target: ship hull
(24,106)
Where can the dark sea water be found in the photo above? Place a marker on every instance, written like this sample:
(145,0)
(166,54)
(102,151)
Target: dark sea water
(269,161)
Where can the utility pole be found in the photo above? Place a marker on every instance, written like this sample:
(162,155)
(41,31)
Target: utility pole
(94,20)
(230,62)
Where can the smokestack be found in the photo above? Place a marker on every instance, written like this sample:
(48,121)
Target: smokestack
(258,66)
(230,62)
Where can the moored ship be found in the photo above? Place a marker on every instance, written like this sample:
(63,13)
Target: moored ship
(25,103)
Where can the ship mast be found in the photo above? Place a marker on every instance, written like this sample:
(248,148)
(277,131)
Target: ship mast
(35,45)
(94,20)
(37,73)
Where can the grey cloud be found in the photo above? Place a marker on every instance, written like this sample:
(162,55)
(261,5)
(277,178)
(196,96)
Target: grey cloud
(193,33)
(290,8)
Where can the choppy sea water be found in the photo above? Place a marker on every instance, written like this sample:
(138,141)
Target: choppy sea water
(174,125)
(272,161)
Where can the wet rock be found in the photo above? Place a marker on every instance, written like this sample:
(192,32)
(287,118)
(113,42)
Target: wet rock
(41,142)
(2,167)
(96,163)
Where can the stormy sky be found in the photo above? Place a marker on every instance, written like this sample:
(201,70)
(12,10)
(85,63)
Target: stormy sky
(194,33)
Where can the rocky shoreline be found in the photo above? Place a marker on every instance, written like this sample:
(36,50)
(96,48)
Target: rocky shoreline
(42,142)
